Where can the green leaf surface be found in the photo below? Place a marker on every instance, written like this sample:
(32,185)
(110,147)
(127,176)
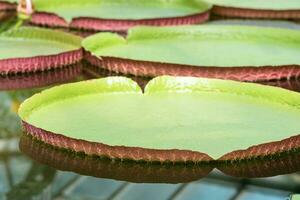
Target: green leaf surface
(259,4)
(295,197)
(11,1)
(29,42)
(202,45)
(205,115)
(121,9)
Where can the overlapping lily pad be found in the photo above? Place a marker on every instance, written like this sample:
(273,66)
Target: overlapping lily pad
(176,119)
(35,49)
(93,72)
(274,9)
(105,15)
(214,51)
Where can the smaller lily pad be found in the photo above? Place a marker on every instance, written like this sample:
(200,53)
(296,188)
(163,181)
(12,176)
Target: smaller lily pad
(117,15)
(35,49)
(103,168)
(242,53)
(176,119)
(271,9)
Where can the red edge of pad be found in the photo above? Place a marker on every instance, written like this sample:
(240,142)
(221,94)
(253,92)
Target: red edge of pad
(152,69)
(255,13)
(259,151)
(97,24)
(115,152)
(39,63)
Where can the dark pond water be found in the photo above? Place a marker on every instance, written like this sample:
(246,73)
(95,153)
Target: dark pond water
(41,172)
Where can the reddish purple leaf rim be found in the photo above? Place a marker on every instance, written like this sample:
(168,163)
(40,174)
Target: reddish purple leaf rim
(103,168)
(44,62)
(97,24)
(231,12)
(153,69)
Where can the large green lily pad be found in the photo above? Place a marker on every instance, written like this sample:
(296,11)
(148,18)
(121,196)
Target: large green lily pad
(118,15)
(237,52)
(201,45)
(33,49)
(112,117)
(121,9)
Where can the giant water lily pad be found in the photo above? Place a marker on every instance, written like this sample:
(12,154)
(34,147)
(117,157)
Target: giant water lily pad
(227,52)
(36,49)
(276,9)
(117,15)
(176,119)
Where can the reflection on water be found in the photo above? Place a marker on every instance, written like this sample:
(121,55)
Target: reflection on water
(40,79)
(153,173)
(22,178)
(19,177)
(284,164)
(35,184)
(104,168)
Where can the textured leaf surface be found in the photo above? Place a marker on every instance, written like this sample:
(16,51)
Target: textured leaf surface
(29,42)
(203,115)
(121,9)
(206,45)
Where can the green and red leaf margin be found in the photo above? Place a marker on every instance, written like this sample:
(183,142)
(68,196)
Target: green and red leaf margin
(45,62)
(139,154)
